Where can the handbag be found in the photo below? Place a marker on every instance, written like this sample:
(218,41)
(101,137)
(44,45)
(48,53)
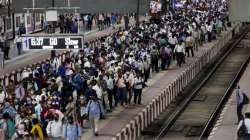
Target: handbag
(243,129)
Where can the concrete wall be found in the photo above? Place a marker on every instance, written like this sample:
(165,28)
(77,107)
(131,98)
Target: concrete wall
(239,10)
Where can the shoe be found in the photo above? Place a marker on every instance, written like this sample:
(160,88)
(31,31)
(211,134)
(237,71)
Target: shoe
(96,134)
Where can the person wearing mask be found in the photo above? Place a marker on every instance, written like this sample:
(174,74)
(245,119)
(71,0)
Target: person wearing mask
(95,111)
(130,85)
(138,86)
(71,108)
(72,130)
(19,91)
(96,86)
(246,122)
(172,40)
(8,126)
(155,59)
(110,90)
(36,130)
(189,45)
(121,88)
(180,53)
(54,128)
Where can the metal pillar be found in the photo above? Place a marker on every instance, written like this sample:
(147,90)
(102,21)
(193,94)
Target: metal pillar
(138,13)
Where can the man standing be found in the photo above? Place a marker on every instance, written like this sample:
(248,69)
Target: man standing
(18,42)
(240,103)
(94,110)
(180,53)
(54,128)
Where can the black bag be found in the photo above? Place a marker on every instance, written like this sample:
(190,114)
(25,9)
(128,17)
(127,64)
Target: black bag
(243,129)
(245,99)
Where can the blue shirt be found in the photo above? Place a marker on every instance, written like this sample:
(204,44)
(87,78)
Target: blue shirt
(72,131)
(94,108)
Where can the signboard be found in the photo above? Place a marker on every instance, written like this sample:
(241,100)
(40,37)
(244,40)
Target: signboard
(19,5)
(52,42)
(86,6)
(51,15)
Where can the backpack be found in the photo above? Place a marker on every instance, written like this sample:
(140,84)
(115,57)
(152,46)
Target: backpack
(243,129)
(245,99)
(10,129)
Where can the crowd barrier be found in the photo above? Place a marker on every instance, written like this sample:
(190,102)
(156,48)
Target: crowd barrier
(132,130)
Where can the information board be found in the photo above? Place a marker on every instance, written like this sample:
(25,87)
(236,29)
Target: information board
(52,43)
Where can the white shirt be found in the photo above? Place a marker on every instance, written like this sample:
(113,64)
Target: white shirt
(87,64)
(247,123)
(138,83)
(110,84)
(179,48)
(172,40)
(209,28)
(98,91)
(54,129)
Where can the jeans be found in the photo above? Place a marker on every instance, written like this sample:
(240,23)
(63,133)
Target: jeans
(138,93)
(122,94)
(110,97)
(239,112)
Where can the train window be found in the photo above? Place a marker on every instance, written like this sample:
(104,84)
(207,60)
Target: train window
(28,19)
(18,21)
(37,17)
(8,23)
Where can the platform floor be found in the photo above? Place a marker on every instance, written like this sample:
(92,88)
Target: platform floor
(117,120)
(226,126)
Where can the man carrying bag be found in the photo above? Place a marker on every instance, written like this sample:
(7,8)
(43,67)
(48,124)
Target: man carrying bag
(244,128)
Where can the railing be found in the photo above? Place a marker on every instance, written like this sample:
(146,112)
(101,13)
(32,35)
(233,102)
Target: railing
(132,130)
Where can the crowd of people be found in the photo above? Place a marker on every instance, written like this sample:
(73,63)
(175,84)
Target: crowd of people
(57,98)
(68,23)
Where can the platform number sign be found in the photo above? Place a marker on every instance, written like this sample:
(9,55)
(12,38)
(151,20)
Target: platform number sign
(53,43)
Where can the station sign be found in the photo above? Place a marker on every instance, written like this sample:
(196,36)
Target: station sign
(52,42)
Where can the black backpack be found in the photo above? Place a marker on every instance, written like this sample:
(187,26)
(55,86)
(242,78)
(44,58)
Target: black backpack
(245,99)
(243,130)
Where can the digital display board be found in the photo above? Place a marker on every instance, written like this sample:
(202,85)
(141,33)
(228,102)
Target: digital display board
(52,43)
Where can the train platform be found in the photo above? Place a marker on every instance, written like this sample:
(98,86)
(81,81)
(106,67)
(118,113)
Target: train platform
(38,55)
(121,116)
(226,126)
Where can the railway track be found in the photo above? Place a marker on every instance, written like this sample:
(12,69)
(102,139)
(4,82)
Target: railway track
(194,116)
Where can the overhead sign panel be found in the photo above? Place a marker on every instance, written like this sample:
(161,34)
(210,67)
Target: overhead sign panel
(19,5)
(239,10)
(52,42)
(86,6)
(115,6)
